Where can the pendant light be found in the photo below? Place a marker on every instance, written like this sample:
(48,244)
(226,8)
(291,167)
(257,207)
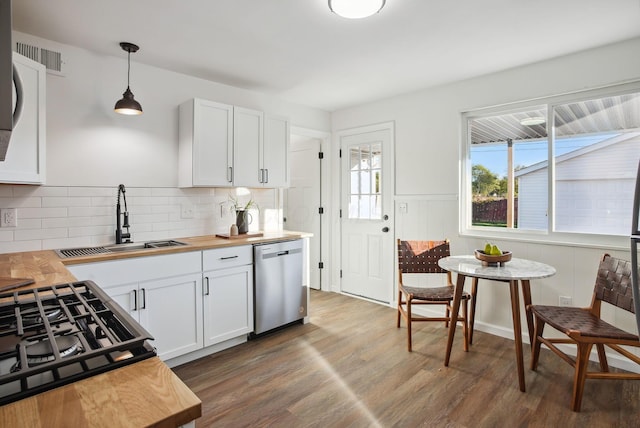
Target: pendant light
(127,105)
(355,9)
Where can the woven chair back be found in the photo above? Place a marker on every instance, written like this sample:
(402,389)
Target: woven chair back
(421,256)
(613,283)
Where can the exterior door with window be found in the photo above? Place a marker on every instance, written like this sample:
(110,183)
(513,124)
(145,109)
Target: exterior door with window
(367,239)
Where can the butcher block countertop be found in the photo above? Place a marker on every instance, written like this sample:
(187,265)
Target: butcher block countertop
(146,393)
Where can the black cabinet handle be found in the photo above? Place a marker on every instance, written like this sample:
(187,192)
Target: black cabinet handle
(144,298)
(227,258)
(135,300)
(385,229)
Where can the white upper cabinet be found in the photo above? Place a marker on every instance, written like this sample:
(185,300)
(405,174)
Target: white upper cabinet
(25,159)
(206,144)
(248,130)
(228,146)
(274,153)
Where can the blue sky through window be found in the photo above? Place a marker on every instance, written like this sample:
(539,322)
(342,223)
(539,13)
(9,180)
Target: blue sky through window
(494,156)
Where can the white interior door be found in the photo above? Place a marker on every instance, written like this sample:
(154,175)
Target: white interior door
(302,198)
(367,207)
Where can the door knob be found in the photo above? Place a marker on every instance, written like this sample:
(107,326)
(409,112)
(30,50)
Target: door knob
(385,229)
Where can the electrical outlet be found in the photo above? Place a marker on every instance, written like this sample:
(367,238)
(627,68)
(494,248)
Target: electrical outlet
(187,211)
(403,207)
(565,301)
(8,217)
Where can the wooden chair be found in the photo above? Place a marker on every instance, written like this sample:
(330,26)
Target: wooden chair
(422,257)
(585,328)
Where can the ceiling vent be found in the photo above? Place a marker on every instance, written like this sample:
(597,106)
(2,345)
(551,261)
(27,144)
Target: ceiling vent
(52,60)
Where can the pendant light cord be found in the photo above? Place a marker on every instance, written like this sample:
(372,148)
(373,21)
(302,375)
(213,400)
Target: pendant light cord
(128,66)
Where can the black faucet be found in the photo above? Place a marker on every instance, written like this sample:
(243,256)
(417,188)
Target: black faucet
(119,234)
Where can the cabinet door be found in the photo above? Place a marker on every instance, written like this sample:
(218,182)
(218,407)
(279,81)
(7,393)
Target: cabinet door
(206,144)
(228,303)
(275,152)
(25,158)
(247,140)
(171,310)
(127,297)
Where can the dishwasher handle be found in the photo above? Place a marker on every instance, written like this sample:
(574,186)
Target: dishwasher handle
(282,253)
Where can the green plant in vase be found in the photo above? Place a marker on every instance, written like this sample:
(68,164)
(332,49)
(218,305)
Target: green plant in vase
(241,210)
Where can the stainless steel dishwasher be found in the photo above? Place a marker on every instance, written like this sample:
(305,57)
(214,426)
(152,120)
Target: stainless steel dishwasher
(280,297)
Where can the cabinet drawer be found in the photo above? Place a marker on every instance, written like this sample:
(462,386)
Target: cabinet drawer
(226,257)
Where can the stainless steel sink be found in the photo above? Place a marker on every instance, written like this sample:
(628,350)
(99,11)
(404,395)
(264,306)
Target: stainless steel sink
(116,248)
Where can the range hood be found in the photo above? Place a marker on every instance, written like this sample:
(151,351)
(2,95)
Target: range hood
(9,78)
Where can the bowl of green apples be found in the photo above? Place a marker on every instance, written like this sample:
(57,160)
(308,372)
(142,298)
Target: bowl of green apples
(491,255)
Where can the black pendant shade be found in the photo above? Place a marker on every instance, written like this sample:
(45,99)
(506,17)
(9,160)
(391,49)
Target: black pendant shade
(128,105)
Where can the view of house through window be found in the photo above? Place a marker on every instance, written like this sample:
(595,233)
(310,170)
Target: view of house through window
(596,149)
(366,173)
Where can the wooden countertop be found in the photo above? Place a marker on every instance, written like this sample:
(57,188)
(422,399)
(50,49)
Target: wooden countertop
(143,394)
(146,393)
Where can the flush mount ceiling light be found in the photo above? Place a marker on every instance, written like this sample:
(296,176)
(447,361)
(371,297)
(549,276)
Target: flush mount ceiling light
(535,120)
(355,9)
(127,105)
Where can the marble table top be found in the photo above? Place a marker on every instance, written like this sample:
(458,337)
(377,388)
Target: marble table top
(515,269)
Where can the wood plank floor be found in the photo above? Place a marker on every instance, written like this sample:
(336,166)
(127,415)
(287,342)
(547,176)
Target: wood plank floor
(349,367)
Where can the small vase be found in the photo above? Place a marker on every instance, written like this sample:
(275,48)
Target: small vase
(243,219)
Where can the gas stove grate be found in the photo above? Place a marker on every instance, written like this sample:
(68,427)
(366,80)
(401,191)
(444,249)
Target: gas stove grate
(102,334)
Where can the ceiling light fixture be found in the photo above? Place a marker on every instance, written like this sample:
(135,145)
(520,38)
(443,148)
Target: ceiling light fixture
(127,105)
(530,121)
(355,9)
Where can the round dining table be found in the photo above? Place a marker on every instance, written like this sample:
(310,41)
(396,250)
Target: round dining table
(514,271)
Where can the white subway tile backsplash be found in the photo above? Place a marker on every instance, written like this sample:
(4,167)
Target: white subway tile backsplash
(89,231)
(6,191)
(20,203)
(65,217)
(111,192)
(93,211)
(83,241)
(103,201)
(66,202)
(36,191)
(32,234)
(42,212)
(148,200)
(17,246)
(29,223)
(66,222)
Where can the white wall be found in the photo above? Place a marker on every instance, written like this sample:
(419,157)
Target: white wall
(427,175)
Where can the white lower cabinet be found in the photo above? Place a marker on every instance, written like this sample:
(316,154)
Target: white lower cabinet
(187,301)
(228,293)
(169,307)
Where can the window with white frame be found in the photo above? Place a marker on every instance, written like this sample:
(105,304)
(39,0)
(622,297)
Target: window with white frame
(563,165)
(365,193)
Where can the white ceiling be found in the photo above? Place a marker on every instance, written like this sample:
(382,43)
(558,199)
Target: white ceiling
(299,51)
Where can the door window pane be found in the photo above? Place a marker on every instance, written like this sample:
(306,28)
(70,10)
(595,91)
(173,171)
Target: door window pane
(365,187)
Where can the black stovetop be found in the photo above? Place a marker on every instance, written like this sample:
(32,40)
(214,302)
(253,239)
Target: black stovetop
(52,336)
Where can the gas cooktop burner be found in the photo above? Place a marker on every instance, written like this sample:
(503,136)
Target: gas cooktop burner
(52,336)
(42,352)
(52,313)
